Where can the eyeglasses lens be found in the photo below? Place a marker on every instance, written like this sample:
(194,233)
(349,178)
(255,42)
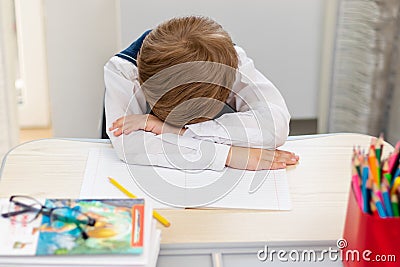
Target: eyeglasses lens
(25,210)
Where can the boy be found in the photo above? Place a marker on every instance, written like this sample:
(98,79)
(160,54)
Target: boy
(184,72)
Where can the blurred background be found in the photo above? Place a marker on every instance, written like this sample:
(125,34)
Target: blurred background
(334,61)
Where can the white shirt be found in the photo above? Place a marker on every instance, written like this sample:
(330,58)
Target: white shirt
(262,120)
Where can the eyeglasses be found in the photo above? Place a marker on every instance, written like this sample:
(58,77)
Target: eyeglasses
(25,209)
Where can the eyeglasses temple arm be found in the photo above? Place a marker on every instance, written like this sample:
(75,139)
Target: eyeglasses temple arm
(15,213)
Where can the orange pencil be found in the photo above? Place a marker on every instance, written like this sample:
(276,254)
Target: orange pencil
(373,166)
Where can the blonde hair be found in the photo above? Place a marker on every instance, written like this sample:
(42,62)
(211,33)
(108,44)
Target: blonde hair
(187,67)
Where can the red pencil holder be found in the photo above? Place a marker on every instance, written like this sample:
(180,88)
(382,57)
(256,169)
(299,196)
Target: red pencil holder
(375,240)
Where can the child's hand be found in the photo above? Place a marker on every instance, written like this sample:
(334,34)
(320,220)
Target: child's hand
(157,126)
(128,124)
(253,159)
(149,123)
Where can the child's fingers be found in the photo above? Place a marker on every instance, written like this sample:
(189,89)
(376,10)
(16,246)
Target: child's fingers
(278,156)
(285,156)
(278,165)
(290,160)
(117,124)
(267,165)
(127,131)
(118,132)
(126,125)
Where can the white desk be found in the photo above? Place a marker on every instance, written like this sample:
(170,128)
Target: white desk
(319,187)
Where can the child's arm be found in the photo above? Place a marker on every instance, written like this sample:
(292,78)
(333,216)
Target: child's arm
(262,118)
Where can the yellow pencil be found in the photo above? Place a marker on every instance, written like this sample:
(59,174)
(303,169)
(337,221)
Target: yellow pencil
(156,215)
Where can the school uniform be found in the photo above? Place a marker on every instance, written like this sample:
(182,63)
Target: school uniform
(261,118)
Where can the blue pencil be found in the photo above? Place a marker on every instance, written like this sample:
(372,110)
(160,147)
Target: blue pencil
(396,174)
(386,200)
(366,207)
(379,206)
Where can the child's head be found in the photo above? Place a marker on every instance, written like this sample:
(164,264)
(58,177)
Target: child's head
(180,41)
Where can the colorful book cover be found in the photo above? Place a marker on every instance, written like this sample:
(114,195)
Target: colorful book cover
(116,227)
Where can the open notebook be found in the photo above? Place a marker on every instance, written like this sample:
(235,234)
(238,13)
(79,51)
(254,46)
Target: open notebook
(273,194)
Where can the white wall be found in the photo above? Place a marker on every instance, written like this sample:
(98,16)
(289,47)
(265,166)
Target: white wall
(80,37)
(284,37)
(8,59)
(34,110)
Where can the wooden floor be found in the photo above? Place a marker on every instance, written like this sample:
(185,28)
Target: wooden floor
(26,135)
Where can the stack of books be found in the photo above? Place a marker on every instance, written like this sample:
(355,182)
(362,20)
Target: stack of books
(77,232)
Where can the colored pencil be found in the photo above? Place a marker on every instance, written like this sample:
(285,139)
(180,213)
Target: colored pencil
(385,172)
(395,186)
(369,184)
(377,192)
(373,208)
(386,198)
(356,161)
(379,206)
(366,200)
(374,166)
(397,173)
(388,177)
(395,205)
(156,215)
(376,180)
(357,188)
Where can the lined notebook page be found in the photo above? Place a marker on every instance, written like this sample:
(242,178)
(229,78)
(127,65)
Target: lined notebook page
(273,194)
